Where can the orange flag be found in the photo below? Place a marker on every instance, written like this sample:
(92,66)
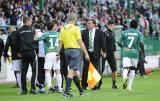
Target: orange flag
(93,76)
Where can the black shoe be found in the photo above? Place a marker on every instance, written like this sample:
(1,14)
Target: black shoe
(67,95)
(114,86)
(56,88)
(51,90)
(15,86)
(33,91)
(83,90)
(124,85)
(82,93)
(41,91)
(96,88)
(70,89)
(23,93)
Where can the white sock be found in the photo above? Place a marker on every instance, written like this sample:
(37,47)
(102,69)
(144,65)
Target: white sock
(131,78)
(48,79)
(19,79)
(125,73)
(58,81)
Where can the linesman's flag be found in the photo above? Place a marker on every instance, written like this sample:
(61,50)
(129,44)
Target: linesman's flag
(93,76)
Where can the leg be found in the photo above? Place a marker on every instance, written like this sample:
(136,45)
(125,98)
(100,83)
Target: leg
(112,62)
(96,63)
(64,69)
(58,80)
(131,77)
(49,59)
(16,85)
(41,72)
(77,82)
(85,74)
(25,65)
(18,74)
(48,78)
(68,83)
(33,65)
(125,77)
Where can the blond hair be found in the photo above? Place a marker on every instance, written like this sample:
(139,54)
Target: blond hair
(72,17)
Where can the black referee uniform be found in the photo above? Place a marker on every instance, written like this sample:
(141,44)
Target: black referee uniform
(28,48)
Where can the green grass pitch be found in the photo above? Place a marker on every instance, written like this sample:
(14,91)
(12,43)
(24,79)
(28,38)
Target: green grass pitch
(145,89)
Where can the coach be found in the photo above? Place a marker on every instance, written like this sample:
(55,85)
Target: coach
(27,48)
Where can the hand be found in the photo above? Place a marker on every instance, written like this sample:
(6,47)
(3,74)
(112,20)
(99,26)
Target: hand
(104,55)
(116,55)
(146,62)
(87,57)
(5,59)
(19,54)
(126,49)
(57,58)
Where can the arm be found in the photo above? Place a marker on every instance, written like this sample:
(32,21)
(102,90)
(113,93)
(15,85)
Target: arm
(1,50)
(142,48)
(103,43)
(84,49)
(60,45)
(120,42)
(2,47)
(141,44)
(6,48)
(39,38)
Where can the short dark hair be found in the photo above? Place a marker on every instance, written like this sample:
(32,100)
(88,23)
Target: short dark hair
(36,26)
(134,24)
(51,24)
(25,19)
(94,21)
(111,22)
(55,22)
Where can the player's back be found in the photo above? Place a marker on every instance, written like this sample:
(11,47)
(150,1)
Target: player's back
(51,41)
(131,39)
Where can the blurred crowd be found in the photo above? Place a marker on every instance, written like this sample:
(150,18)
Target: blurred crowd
(145,11)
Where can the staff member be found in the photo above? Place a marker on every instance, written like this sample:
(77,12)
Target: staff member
(27,47)
(16,60)
(1,50)
(41,59)
(111,49)
(94,41)
(70,37)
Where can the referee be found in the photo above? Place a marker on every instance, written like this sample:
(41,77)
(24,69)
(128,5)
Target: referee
(111,48)
(70,37)
(27,48)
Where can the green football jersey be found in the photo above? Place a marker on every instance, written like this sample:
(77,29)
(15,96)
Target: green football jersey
(130,39)
(50,40)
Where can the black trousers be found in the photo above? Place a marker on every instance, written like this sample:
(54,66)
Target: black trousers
(63,66)
(41,72)
(95,62)
(28,57)
(140,68)
(0,64)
